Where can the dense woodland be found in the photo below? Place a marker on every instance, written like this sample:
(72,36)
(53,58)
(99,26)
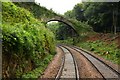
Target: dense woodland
(103,17)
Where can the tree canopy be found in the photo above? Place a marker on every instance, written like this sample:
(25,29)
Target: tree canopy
(102,16)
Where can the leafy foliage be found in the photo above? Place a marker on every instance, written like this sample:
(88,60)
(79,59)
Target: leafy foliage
(26,42)
(64,32)
(81,27)
(61,30)
(69,14)
(66,41)
(38,11)
(53,27)
(108,51)
(103,17)
(79,12)
(39,70)
(14,14)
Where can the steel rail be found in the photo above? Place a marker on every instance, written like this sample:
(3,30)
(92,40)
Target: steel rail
(116,72)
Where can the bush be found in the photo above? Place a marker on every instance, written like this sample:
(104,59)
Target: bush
(26,42)
(108,51)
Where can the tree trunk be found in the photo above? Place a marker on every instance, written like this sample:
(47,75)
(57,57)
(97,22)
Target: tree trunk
(115,13)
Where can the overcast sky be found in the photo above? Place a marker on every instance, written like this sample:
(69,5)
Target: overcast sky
(59,6)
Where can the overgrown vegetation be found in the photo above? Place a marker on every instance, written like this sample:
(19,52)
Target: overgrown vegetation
(37,72)
(103,17)
(110,52)
(66,41)
(27,45)
(38,11)
(63,31)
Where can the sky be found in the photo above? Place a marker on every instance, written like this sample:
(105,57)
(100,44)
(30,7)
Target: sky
(59,6)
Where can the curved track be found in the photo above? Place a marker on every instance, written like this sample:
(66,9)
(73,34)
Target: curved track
(105,70)
(68,67)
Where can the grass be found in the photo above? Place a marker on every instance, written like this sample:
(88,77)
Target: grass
(37,72)
(108,51)
(66,41)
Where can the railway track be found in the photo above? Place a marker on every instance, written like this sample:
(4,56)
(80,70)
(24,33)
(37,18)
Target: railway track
(68,67)
(105,70)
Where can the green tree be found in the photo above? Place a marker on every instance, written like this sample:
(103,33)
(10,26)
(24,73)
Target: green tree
(78,11)
(64,31)
(69,14)
(102,16)
(53,26)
